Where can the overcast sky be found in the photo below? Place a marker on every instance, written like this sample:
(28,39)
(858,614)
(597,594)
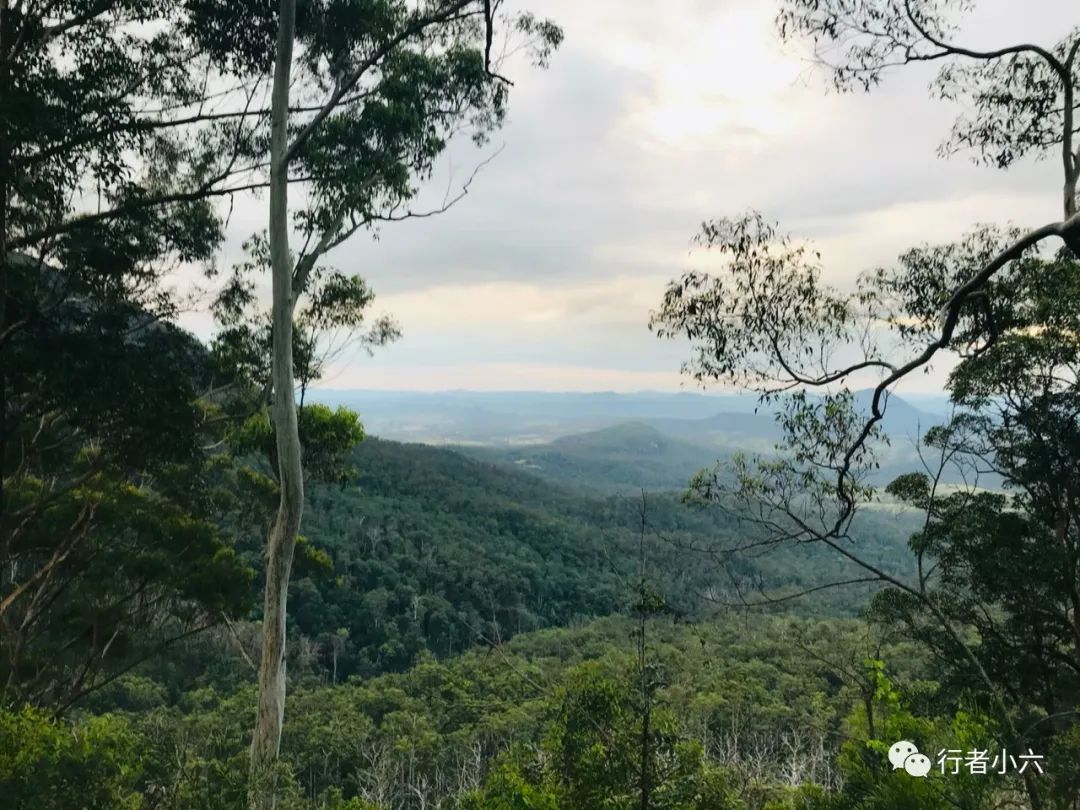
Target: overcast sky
(652,117)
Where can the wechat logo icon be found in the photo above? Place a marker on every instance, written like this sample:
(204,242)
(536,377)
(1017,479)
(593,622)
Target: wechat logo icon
(905,755)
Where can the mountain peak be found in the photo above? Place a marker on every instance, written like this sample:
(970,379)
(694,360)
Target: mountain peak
(625,436)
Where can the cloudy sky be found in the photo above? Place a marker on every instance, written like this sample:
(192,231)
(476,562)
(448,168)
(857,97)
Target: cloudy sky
(652,117)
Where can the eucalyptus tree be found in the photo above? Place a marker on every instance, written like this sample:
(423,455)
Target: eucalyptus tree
(114,550)
(127,125)
(123,120)
(383,85)
(112,147)
(768,322)
(1007,564)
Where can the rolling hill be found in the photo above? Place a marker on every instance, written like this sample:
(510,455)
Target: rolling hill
(663,454)
(516,418)
(624,458)
(432,550)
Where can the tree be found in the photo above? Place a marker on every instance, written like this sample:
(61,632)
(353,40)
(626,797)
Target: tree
(95,764)
(769,323)
(109,153)
(870,783)
(1007,563)
(110,156)
(591,756)
(1023,96)
(112,550)
(743,327)
(393,83)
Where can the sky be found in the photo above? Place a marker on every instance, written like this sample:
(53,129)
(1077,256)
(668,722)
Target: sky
(653,117)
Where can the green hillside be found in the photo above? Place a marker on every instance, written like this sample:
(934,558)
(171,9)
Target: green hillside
(625,458)
(435,551)
(757,695)
(663,454)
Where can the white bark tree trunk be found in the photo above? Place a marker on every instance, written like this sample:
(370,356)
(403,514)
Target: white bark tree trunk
(281,543)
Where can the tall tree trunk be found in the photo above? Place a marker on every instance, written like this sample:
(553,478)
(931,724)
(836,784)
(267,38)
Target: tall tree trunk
(281,544)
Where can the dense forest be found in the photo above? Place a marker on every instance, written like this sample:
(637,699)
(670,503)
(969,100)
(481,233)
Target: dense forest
(218,591)
(432,552)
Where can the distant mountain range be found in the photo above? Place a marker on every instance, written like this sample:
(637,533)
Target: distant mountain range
(611,442)
(624,458)
(530,417)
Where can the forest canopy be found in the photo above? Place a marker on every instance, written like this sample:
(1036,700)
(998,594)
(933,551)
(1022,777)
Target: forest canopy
(219,591)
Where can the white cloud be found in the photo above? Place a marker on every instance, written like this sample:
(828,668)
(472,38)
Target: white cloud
(653,117)
(498,377)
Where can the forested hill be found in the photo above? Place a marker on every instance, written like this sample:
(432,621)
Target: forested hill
(621,459)
(665,454)
(433,550)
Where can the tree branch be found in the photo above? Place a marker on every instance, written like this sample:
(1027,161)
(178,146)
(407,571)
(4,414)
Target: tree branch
(345,86)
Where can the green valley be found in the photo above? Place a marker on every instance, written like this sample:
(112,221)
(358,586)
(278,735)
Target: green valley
(713,442)
(434,551)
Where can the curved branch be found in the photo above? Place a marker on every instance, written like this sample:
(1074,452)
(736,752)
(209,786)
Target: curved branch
(957,50)
(1070,161)
(416,27)
(1068,231)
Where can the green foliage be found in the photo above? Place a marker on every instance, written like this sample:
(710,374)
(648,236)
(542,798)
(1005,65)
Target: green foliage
(768,304)
(101,394)
(328,436)
(1004,563)
(112,545)
(434,551)
(52,765)
(515,726)
(506,789)
(869,781)
(1065,754)
(81,80)
(590,755)
(1013,100)
(332,312)
(992,589)
(913,488)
